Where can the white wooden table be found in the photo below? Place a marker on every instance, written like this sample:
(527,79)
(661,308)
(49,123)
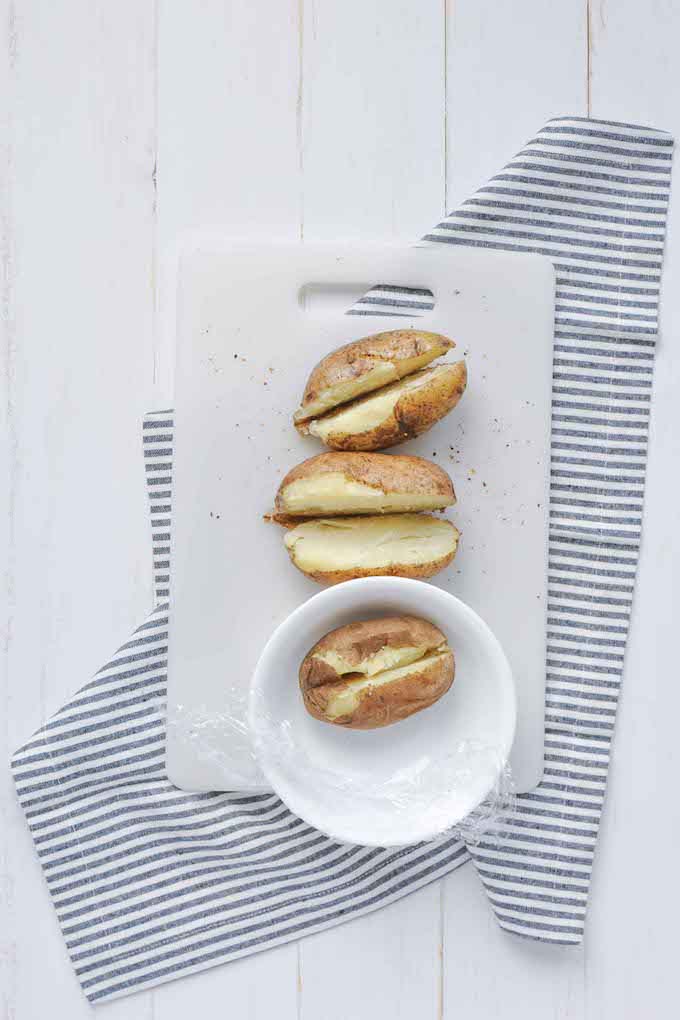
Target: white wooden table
(125,123)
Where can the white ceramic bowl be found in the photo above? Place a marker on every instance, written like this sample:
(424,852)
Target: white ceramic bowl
(403,783)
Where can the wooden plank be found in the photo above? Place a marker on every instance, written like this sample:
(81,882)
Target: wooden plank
(372,119)
(632,937)
(78,302)
(228,161)
(488,972)
(384,965)
(510,68)
(8,810)
(228,131)
(261,986)
(372,162)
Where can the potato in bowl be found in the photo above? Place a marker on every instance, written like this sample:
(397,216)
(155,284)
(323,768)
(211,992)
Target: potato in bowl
(373,673)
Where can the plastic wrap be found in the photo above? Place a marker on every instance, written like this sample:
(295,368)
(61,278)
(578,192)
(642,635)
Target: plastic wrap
(223,739)
(422,785)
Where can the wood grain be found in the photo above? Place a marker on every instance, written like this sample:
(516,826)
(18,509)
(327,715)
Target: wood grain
(78,307)
(510,68)
(228,134)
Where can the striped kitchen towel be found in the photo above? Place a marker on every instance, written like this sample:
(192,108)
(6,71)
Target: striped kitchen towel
(150,883)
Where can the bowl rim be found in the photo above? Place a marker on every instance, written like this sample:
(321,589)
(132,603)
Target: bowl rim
(328,595)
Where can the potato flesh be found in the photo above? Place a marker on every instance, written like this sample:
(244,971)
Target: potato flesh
(370,543)
(371,412)
(347,700)
(350,389)
(358,418)
(384,373)
(335,493)
(386,658)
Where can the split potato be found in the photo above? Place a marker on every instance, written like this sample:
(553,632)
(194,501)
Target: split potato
(366,365)
(362,483)
(375,672)
(334,549)
(398,412)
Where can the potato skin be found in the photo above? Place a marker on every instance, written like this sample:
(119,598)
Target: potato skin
(389,474)
(386,704)
(419,571)
(414,413)
(358,641)
(359,357)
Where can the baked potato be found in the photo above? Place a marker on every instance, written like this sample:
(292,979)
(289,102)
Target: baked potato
(362,483)
(375,672)
(334,549)
(366,365)
(395,413)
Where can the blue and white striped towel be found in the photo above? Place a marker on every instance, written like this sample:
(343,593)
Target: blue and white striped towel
(151,883)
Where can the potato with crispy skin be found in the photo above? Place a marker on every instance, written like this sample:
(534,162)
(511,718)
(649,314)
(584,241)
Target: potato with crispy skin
(365,365)
(334,549)
(395,413)
(375,672)
(362,483)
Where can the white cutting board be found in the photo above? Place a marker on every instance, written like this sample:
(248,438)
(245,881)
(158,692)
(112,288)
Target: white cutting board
(249,330)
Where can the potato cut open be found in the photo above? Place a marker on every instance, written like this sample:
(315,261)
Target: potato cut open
(363,483)
(368,413)
(372,673)
(337,549)
(337,494)
(347,698)
(365,365)
(385,659)
(342,392)
(398,412)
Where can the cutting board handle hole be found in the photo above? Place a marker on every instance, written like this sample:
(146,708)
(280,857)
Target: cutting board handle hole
(322,300)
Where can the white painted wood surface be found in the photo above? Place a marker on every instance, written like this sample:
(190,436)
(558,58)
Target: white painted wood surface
(124,123)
